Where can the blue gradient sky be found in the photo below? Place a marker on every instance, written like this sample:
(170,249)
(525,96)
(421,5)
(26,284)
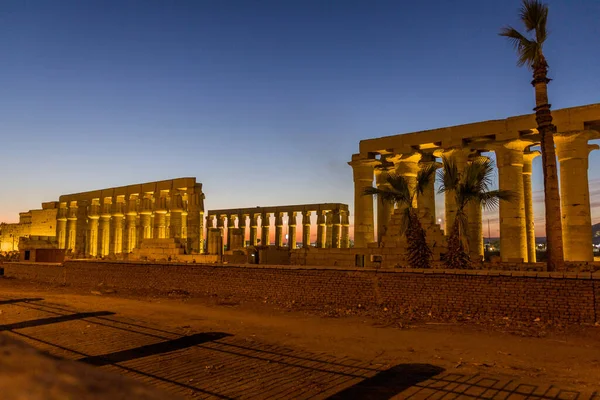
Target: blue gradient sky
(263,101)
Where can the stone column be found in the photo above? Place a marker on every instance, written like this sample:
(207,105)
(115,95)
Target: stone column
(253,229)
(221,229)
(72,227)
(306,229)
(230,228)
(131,225)
(184,226)
(408,167)
(146,218)
(279,229)
(160,217)
(475,225)
(345,233)
(336,229)
(572,150)
(61,227)
(363,205)
(292,230)
(168,230)
(513,233)
(329,230)
(117,236)
(104,234)
(528,157)
(92,239)
(321,229)
(265,221)
(426,201)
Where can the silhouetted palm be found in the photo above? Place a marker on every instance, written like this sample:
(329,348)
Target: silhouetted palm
(404,195)
(534,15)
(472,185)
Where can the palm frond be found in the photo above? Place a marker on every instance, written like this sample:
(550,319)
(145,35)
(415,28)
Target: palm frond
(385,195)
(399,185)
(527,50)
(424,177)
(491,200)
(534,14)
(448,176)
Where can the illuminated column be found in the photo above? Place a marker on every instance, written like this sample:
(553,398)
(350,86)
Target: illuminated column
(117,234)
(265,221)
(528,157)
(513,232)
(253,229)
(426,201)
(321,229)
(279,229)
(363,205)
(168,230)
(92,239)
(408,167)
(329,229)
(336,229)
(384,208)
(572,150)
(146,218)
(104,229)
(230,228)
(61,227)
(184,226)
(292,216)
(131,224)
(306,229)
(475,224)
(72,226)
(345,239)
(160,217)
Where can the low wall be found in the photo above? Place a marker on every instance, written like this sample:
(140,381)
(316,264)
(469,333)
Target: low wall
(566,298)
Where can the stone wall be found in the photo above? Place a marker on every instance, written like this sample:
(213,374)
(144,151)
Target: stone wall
(565,298)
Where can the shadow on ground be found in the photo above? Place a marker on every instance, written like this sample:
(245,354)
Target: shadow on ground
(386,384)
(220,365)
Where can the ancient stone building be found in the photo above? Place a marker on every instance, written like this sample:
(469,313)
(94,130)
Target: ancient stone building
(116,220)
(514,141)
(331,219)
(31,223)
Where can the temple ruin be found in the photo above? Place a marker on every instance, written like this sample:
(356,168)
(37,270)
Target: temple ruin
(332,226)
(513,140)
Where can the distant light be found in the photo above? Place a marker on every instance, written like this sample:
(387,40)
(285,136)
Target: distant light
(286,236)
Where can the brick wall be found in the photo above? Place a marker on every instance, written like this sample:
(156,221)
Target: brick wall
(566,298)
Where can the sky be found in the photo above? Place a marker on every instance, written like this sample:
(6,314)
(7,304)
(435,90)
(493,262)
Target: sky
(263,101)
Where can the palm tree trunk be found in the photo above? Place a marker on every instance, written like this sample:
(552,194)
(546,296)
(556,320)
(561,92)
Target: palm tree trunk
(543,116)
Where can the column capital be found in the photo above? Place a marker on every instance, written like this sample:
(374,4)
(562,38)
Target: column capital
(575,144)
(510,152)
(528,157)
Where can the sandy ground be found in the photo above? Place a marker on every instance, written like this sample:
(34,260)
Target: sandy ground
(258,351)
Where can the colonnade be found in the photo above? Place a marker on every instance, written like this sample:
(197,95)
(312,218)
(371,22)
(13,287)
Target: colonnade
(514,162)
(100,225)
(332,226)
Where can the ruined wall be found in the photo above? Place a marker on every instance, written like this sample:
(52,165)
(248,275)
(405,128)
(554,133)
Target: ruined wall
(566,298)
(31,223)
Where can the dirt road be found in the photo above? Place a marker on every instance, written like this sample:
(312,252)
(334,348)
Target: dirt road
(201,350)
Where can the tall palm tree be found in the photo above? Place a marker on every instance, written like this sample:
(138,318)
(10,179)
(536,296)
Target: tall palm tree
(471,186)
(403,194)
(534,15)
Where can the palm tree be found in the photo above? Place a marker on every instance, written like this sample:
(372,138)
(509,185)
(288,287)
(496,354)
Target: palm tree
(534,15)
(472,186)
(403,194)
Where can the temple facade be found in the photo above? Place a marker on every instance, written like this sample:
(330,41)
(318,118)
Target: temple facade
(116,220)
(514,141)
